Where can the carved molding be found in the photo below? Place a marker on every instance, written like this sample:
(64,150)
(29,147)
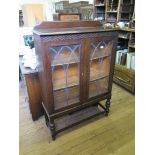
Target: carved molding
(73,36)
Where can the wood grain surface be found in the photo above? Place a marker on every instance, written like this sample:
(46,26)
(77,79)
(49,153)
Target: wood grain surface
(112,135)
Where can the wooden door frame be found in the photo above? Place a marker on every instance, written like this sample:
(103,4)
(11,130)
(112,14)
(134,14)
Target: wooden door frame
(87,65)
(49,75)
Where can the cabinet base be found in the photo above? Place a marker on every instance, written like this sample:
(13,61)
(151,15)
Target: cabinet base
(57,125)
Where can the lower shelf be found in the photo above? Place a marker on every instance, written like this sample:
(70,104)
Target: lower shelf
(76,117)
(60,122)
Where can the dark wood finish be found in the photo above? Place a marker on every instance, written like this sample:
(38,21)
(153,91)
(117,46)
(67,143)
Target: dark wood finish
(49,26)
(34,91)
(76,65)
(67,17)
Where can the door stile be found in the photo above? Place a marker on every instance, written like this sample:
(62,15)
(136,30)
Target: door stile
(85,70)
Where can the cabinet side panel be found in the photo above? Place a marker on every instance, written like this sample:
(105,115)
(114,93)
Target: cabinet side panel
(34,92)
(39,48)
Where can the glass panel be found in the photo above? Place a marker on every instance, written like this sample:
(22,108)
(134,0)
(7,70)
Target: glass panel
(99,68)
(98,87)
(61,98)
(100,49)
(65,63)
(100,58)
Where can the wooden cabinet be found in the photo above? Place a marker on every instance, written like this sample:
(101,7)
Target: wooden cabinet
(31,78)
(76,65)
(34,94)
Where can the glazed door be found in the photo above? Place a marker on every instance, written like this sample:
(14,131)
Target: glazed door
(65,62)
(98,73)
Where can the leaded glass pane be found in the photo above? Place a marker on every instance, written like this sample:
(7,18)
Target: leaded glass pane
(100,57)
(65,63)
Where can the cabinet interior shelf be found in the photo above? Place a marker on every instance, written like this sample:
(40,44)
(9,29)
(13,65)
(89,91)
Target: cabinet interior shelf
(104,77)
(73,81)
(70,63)
(105,56)
(75,84)
(76,62)
(64,87)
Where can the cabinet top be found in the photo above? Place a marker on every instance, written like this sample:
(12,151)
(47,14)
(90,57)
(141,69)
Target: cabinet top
(68,27)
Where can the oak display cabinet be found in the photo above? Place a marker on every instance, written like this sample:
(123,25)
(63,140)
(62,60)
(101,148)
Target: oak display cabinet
(76,66)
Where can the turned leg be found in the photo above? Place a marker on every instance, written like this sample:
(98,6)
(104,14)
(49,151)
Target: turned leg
(53,131)
(107,106)
(46,120)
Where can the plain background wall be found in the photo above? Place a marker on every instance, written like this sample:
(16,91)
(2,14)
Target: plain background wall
(33,14)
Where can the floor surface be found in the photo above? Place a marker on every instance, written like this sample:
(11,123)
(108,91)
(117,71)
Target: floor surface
(112,135)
